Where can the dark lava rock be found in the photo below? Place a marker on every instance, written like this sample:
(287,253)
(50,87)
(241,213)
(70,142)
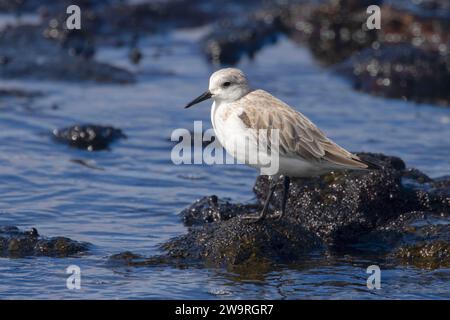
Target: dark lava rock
(337,29)
(15,243)
(18,93)
(400,71)
(236,242)
(425,244)
(26,6)
(425,32)
(30,54)
(333,30)
(426,255)
(89,136)
(213,209)
(376,212)
(426,8)
(343,206)
(232,39)
(407,58)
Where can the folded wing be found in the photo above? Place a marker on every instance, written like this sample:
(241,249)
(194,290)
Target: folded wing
(298,136)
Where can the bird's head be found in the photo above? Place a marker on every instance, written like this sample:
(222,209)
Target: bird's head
(225,85)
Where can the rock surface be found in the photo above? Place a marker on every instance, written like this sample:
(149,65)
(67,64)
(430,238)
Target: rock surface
(90,137)
(342,206)
(407,58)
(400,71)
(15,243)
(232,39)
(340,212)
(27,52)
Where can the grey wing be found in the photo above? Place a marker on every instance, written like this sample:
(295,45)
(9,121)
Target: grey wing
(298,136)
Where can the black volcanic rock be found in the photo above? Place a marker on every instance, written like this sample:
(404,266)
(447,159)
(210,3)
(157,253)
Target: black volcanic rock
(400,71)
(15,243)
(28,52)
(338,29)
(234,244)
(213,209)
(343,206)
(88,136)
(233,39)
(238,243)
(376,211)
(425,243)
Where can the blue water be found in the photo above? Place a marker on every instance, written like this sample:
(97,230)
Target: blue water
(133,203)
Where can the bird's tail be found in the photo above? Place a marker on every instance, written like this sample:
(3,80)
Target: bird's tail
(351,161)
(369,165)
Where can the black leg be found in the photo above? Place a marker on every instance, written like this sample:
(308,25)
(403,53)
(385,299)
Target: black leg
(286,183)
(262,215)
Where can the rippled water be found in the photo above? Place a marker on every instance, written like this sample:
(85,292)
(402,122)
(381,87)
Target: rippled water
(132,204)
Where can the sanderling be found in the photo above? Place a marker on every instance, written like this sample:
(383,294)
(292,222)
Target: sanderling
(239,112)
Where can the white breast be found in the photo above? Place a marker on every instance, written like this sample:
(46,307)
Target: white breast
(234,136)
(226,123)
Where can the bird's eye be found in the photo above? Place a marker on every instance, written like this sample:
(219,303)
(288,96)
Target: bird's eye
(226,84)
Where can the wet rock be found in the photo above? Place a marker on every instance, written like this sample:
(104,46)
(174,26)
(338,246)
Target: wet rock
(425,244)
(151,17)
(237,243)
(409,27)
(400,71)
(333,30)
(234,244)
(89,136)
(342,207)
(32,55)
(232,39)
(426,255)
(15,243)
(368,212)
(407,58)
(131,259)
(45,7)
(213,209)
(425,8)
(18,93)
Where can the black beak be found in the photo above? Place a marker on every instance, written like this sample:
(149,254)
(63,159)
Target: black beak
(206,95)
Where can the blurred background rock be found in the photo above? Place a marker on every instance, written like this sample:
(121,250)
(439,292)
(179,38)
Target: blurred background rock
(408,58)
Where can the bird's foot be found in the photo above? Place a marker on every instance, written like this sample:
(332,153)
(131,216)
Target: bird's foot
(253,218)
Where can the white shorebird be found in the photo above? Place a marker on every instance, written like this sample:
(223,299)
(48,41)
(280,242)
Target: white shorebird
(239,112)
